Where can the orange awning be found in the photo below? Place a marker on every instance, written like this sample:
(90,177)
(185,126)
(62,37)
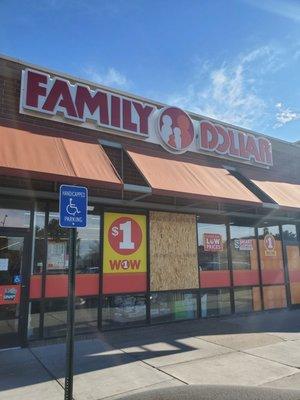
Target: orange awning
(44,157)
(185,179)
(283,193)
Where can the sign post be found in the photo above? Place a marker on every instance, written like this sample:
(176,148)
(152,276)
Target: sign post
(72,214)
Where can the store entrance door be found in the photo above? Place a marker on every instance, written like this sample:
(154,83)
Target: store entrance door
(14,270)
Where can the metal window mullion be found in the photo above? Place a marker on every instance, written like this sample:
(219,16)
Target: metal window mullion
(24,308)
(285,268)
(44,272)
(259,270)
(229,261)
(101,249)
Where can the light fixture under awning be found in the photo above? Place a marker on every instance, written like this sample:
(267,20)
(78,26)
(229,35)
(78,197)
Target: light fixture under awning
(168,176)
(57,159)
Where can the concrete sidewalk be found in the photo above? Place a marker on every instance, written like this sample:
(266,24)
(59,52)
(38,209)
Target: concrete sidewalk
(258,350)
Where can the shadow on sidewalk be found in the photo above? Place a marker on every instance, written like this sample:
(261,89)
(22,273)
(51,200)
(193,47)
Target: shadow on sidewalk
(110,349)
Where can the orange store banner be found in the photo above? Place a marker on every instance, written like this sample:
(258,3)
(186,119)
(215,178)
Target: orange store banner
(124,243)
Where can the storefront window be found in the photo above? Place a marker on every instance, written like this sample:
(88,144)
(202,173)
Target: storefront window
(173,306)
(14,218)
(212,255)
(123,310)
(55,316)
(34,320)
(39,241)
(212,246)
(243,248)
(292,247)
(270,249)
(244,255)
(58,246)
(51,246)
(215,302)
(247,299)
(86,314)
(88,246)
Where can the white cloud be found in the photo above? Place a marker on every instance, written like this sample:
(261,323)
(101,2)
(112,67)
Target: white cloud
(285,115)
(230,92)
(110,77)
(285,8)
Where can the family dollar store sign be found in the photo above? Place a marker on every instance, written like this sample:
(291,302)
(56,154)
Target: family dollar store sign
(124,243)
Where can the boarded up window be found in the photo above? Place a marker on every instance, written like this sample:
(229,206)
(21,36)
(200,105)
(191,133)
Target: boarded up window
(173,251)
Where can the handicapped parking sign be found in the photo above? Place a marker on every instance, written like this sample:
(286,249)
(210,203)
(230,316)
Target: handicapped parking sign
(73,206)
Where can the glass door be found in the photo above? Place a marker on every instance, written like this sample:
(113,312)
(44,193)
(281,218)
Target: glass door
(13,286)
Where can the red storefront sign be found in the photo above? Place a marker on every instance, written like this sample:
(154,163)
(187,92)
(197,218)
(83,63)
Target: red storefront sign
(212,242)
(56,98)
(227,141)
(80,103)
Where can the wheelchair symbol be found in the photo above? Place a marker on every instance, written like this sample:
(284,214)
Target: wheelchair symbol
(72,209)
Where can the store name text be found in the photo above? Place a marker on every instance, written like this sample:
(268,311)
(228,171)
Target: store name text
(171,127)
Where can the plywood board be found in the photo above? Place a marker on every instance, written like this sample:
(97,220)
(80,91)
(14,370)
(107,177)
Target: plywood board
(293,255)
(256,299)
(274,297)
(271,261)
(173,251)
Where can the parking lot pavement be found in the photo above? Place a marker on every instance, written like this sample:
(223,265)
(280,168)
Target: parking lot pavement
(258,350)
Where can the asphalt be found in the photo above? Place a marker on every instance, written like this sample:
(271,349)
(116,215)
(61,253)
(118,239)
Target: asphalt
(235,356)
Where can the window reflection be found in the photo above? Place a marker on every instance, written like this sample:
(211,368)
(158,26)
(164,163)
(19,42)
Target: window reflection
(88,246)
(168,306)
(212,247)
(243,247)
(215,302)
(14,218)
(247,299)
(58,246)
(39,242)
(123,310)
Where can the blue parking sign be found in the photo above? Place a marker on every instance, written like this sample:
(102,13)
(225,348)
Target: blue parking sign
(73,206)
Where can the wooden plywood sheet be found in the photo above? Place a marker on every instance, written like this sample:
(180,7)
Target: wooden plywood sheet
(274,297)
(256,299)
(269,261)
(295,293)
(293,255)
(173,251)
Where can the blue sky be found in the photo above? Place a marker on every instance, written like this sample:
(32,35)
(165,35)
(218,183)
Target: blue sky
(234,60)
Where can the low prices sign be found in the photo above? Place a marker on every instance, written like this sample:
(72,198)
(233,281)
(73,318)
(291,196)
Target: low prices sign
(212,242)
(270,245)
(124,243)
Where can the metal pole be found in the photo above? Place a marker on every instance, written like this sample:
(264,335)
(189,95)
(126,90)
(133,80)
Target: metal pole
(70,318)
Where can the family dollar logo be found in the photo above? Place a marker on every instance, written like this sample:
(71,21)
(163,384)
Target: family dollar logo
(125,237)
(175,129)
